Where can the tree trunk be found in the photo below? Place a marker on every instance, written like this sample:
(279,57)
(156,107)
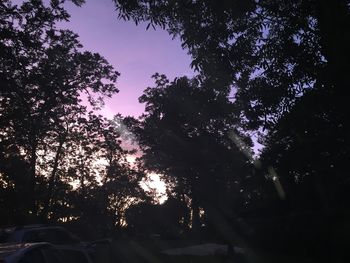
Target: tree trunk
(185,214)
(32,178)
(52,179)
(195,215)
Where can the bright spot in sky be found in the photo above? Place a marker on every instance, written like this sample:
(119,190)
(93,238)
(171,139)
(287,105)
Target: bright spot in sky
(131,159)
(154,183)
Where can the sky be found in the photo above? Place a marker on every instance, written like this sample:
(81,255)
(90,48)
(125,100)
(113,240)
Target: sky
(134,52)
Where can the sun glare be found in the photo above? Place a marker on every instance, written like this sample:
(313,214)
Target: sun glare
(154,183)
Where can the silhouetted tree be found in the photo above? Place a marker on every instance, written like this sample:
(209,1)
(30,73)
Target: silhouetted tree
(271,51)
(163,219)
(287,62)
(309,152)
(48,140)
(121,180)
(184,134)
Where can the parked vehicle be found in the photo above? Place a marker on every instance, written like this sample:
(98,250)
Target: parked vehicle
(30,253)
(39,233)
(99,250)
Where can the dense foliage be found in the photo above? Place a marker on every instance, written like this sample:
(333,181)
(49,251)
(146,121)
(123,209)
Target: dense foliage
(273,70)
(286,62)
(54,153)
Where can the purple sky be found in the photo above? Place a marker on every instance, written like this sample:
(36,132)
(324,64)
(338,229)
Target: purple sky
(134,52)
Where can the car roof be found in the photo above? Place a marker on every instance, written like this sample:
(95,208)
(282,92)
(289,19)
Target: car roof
(7,249)
(12,229)
(15,234)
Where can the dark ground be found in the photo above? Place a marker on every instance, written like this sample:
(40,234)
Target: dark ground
(148,250)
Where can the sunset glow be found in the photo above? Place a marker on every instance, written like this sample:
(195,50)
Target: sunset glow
(154,182)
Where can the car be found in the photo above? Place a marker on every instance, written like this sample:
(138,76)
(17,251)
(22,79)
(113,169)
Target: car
(99,250)
(42,253)
(39,233)
(29,253)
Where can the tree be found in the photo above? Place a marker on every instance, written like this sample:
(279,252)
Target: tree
(271,51)
(43,73)
(163,219)
(286,61)
(309,153)
(121,180)
(184,134)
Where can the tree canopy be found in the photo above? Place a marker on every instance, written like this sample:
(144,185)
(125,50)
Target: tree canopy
(271,52)
(184,134)
(274,70)
(49,141)
(286,64)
